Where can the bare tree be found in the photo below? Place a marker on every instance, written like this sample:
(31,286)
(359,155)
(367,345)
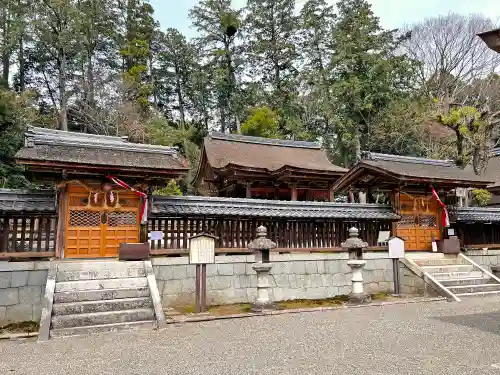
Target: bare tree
(452,55)
(460,73)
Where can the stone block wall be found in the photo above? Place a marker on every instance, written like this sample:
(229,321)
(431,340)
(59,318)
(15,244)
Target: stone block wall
(293,276)
(485,258)
(22,287)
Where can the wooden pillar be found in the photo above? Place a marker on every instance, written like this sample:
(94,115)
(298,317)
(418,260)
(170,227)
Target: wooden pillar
(277,192)
(4,235)
(331,194)
(309,196)
(248,186)
(294,192)
(396,208)
(62,200)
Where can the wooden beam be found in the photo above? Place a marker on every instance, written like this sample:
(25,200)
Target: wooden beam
(28,254)
(331,194)
(277,250)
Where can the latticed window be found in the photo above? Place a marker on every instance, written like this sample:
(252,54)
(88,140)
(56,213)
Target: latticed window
(428,221)
(407,221)
(84,219)
(118,219)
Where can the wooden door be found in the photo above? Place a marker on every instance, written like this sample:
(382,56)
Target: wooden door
(419,223)
(95,226)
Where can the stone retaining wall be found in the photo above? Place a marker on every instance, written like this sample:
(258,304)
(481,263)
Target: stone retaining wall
(22,287)
(294,276)
(485,258)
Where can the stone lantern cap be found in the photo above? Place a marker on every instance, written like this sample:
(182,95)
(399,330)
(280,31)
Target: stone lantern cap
(354,242)
(262,242)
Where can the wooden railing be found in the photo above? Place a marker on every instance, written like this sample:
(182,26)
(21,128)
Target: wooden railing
(234,235)
(28,236)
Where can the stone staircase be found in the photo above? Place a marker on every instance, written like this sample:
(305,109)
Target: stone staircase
(455,276)
(100,296)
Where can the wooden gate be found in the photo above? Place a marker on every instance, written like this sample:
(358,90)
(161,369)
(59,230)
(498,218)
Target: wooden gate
(97,222)
(419,223)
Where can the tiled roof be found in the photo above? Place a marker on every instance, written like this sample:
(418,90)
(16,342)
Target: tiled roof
(211,206)
(27,201)
(47,145)
(478,214)
(223,150)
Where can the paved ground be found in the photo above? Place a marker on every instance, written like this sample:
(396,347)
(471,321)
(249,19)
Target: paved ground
(429,338)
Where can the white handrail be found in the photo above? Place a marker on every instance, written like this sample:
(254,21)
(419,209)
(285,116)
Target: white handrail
(480,267)
(446,290)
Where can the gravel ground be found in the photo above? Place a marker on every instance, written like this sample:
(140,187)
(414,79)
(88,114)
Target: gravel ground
(424,338)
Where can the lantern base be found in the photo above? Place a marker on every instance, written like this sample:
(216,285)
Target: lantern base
(358,298)
(257,307)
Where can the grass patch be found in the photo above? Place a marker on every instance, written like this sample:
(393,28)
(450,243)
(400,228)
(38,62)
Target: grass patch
(187,309)
(237,308)
(22,327)
(304,303)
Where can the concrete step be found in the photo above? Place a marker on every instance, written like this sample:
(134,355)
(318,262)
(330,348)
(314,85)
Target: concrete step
(441,262)
(418,255)
(101,306)
(450,268)
(460,289)
(465,281)
(99,295)
(131,282)
(100,328)
(457,275)
(107,317)
(104,273)
(478,293)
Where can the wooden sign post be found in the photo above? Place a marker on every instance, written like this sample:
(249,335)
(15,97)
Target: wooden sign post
(201,253)
(396,251)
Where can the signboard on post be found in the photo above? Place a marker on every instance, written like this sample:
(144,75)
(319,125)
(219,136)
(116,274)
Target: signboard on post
(201,253)
(396,251)
(202,249)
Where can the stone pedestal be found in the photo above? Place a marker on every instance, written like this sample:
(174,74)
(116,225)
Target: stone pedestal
(263,300)
(357,295)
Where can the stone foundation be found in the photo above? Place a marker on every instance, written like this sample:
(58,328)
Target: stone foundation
(293,276)
(22,287)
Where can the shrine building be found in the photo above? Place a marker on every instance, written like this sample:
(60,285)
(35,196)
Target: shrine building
(240,166)
(102,184)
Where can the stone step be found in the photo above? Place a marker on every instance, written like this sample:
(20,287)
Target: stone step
(450,268)
(111,265)
(104,273)
(441,262)
(131,282)
(457,275)
(494,292)
(460,289)
(101,306)
(465,281)
(101,294)
(418,255)
(108,317)
(101,328)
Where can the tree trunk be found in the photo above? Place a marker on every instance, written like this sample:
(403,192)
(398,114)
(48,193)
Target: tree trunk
(63,101)
(180,98)
(22,65)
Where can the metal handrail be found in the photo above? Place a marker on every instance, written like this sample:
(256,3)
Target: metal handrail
(484,270)
(446,290)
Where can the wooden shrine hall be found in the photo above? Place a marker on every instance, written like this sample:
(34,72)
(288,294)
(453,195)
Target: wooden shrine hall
(240,166)
(102,183)
(408,183)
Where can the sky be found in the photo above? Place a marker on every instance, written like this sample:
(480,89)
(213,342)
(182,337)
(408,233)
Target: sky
(392,13)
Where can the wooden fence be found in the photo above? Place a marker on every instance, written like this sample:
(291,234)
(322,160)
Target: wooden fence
(234,234)
(479,235)
(28,236)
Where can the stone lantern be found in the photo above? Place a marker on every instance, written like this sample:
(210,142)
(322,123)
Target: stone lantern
(355,246)
(261,247)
